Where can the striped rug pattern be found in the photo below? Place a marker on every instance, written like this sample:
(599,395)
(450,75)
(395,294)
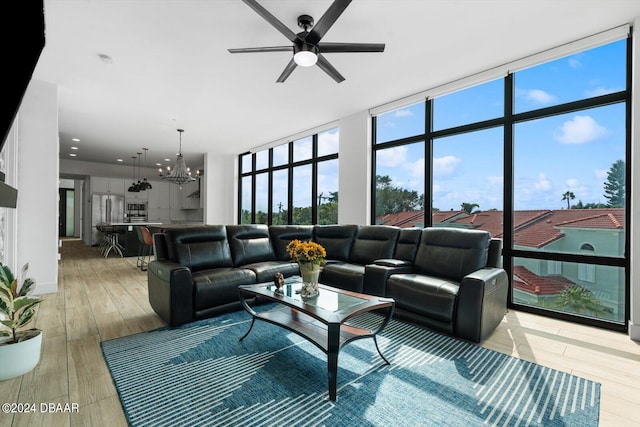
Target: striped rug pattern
(200,375)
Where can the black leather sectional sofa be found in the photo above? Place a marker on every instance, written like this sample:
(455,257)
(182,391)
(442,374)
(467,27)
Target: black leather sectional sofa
(448,279)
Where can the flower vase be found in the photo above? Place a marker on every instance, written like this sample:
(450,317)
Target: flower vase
(310,273)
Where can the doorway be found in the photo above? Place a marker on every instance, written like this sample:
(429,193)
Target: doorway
(66,212)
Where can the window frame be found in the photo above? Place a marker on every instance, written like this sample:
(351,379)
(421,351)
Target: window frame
(289,166)
(509,120)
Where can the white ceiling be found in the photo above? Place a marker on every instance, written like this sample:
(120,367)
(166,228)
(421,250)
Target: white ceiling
(171,67)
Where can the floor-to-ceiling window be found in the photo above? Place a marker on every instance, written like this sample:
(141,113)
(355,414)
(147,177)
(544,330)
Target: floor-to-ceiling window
(539,158)
(291,183)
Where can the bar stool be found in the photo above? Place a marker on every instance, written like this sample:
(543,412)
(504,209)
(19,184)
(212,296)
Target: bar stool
(146,247)
(110,240)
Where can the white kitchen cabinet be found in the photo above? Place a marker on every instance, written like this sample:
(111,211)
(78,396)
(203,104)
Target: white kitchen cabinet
(116,185)
(159,195)
(107,185)
(189,191)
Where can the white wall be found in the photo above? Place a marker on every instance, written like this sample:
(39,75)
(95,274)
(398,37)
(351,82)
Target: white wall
(37,207)
(220,184)
(634,221)
(355,169)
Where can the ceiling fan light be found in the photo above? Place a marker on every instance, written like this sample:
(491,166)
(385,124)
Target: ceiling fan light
(305,58)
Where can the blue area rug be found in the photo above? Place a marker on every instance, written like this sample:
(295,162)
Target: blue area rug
(199,374)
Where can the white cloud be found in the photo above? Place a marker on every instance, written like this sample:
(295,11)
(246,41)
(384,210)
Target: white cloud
(443,166)
(543,183)
(392,157)
(539,96)
(574,63)
(495,180)
(536,96)
(329,141)
(579,130)
(600,90)
(403,113)
(601,173)
(572,183)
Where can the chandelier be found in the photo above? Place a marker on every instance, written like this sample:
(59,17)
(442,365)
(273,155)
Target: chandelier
(180,173)
(145,185)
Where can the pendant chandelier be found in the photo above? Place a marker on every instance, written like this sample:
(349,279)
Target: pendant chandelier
(134,187)
(179,174)
(145,185)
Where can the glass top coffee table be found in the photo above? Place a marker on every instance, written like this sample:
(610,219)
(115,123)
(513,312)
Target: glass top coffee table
(320,319)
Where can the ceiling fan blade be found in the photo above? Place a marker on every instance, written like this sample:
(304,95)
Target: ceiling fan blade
(329,69)
(350,47)
(287,71)
(262,49)
(327,20)
(267,16)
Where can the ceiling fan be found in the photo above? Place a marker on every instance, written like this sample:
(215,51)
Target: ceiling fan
(307,48)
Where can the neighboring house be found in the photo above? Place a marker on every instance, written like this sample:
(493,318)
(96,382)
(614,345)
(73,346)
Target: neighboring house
(599,232)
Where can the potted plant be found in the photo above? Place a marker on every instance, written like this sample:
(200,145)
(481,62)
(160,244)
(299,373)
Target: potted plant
(310,257)
(19,347)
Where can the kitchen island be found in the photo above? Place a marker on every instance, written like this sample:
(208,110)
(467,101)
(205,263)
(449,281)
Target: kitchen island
(129,236)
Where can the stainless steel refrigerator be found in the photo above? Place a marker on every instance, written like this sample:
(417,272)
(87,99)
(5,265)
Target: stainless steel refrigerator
(105,209)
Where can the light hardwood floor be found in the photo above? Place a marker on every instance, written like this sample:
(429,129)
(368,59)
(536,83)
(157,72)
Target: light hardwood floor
(101,299)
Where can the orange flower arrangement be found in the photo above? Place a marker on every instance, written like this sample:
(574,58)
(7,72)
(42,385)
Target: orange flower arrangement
(306,252)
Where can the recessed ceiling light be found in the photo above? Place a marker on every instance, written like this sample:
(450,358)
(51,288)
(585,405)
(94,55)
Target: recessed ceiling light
(75,140)
(73,155)
(119,160)
(158,164)
(167,160)
(105,58)
(74,148)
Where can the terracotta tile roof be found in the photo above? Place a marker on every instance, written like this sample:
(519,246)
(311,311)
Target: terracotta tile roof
(403,219)
(527,281)
(533,228)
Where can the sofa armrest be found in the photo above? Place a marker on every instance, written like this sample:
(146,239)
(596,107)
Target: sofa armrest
(391,262)
(376,275)
(171,291)
(482,303)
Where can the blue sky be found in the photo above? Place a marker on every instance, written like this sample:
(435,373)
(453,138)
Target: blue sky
(570,152)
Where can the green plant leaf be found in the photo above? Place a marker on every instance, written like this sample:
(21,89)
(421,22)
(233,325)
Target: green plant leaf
(6,277)
(26,286)
(21,302)
(25,317)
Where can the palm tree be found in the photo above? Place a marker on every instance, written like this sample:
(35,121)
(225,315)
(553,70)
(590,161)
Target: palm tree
(580,300)
(568,196)
(469,207)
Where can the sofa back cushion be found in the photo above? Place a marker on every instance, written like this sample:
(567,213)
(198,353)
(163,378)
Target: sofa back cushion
(336,240)
(281,235)
(451,253)
(199,247)
(407,245)
(249,243)
(373,242)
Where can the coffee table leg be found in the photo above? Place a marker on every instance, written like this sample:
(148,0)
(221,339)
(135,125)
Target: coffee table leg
(253,320)
(332,358)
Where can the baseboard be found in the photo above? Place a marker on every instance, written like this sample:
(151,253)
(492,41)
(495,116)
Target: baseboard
(634,331)
(45,288)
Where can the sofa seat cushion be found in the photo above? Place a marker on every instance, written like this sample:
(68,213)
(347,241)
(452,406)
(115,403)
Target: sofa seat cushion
(219,286)
(264,271)
(429,296)
(343,275)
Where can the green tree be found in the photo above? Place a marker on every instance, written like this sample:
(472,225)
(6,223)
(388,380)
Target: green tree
(580,300)
(614,187)
(469,207)
(568,196)
(391,199)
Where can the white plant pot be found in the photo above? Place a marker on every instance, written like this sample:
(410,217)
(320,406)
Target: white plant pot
(18,359)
